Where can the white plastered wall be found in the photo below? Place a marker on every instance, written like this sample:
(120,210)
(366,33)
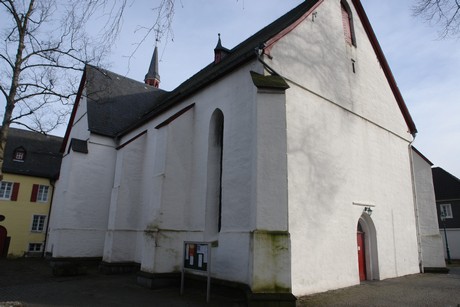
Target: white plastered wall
(81,201)
(429,235)
(347,146)
(173,191)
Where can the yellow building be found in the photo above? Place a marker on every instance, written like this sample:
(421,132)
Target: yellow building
(32,163)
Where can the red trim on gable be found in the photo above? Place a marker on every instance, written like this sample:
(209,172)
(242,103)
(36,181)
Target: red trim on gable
(74,112)
(33,196)
(386,68)
(15,192)
(269,44)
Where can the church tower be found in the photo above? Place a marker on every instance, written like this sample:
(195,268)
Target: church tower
(153,77)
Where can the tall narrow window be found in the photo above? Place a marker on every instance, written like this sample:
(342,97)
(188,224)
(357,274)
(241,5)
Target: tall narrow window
(39,193)
(214,173)
(347,22)
(9,190)
(5,190)
(446,211)
(38,223)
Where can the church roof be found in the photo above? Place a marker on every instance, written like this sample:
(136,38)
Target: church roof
(115,101)
(41,154)
(132,103)
(446,185)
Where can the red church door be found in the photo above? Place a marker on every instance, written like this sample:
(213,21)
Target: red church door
(3,234)
(361,256)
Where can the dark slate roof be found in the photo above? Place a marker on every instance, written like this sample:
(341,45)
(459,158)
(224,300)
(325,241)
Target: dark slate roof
(115,102)
(42,158)
(446,185)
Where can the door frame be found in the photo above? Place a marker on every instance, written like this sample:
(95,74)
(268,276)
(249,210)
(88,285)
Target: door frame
(370,247)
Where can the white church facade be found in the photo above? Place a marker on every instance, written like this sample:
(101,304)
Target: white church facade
(290,153)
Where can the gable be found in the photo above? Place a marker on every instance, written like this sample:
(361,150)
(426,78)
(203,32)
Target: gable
(314,54)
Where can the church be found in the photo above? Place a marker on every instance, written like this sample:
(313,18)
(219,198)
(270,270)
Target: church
(289,155)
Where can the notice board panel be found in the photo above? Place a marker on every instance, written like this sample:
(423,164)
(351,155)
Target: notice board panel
(196,256)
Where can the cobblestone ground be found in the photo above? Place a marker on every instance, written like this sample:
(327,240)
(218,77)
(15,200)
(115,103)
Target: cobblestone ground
(29,282)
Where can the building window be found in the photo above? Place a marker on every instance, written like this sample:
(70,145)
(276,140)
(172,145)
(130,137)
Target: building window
(446,211)
(35,247)
(5,190)
(19,154)
(38,223)
(347,22)
(39,193)
(214,175)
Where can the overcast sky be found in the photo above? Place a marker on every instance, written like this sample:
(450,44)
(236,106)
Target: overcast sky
(425,67)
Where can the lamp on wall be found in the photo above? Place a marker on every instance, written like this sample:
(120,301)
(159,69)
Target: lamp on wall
(368,210)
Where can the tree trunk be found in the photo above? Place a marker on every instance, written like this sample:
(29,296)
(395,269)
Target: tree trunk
(22,23)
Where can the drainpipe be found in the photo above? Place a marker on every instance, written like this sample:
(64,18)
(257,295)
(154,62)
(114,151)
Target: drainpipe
(416,209)
(49,217)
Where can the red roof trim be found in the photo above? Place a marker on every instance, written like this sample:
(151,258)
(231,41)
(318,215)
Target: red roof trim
(386,68)
(269,44)
(74,112)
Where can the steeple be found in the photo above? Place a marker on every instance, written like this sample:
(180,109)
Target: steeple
(220,52)
(153,77)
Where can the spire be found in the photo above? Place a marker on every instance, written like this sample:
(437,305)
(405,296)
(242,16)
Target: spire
(153,77)
(220,52)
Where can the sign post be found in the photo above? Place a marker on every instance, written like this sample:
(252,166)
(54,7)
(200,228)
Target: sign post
(197,257)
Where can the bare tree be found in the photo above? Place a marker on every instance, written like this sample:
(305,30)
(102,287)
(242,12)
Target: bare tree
(44,47)
(445,13)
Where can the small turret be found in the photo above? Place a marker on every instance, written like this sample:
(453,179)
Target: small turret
(220,52)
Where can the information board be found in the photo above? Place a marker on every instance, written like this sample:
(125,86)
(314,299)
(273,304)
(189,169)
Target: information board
(196,256)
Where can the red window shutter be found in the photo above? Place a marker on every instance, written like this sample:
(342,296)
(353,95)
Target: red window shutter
(14,193)
(33,197)
(346,25)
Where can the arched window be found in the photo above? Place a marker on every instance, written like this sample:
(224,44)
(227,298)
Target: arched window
(214,175)
(347,22)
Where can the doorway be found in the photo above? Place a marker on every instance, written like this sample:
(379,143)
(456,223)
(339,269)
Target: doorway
(361,254)
(367,252)
(3,242)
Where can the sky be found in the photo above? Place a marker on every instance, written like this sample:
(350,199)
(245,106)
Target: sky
(426,68)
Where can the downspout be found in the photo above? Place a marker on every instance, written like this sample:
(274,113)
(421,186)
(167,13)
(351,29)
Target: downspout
(416,209)
(49,217)
(259,51)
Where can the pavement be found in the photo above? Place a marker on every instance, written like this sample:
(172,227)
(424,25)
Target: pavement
(29,282)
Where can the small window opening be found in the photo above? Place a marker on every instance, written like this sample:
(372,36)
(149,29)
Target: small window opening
(353,66)
(347,22)
(19,154)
